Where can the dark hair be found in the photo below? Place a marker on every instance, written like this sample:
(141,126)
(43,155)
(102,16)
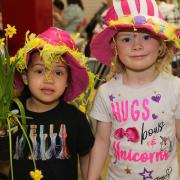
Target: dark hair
(76,2)
(26,92)
(59,4)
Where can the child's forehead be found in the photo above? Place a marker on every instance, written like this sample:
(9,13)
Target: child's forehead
(39,60)
(136,32)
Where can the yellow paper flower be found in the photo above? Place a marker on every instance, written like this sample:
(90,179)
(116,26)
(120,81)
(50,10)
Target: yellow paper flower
(82,108)
(126,19)
(2,41)
(157,27)
(12,59)
(170,32)
(150,21)
(10,31)
(36,175)
(122,20)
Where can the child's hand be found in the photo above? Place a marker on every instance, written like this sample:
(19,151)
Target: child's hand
(56,16)
(2,132)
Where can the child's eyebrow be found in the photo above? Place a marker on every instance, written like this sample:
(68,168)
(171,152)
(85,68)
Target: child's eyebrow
(38,64)
(125,34)
(60,66)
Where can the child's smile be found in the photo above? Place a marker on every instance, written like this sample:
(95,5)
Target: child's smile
(47,91)
(137,50)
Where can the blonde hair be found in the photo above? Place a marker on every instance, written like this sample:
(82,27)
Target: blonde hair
(163,62)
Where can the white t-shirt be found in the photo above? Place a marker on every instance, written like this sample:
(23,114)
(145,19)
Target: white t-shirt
(143,136)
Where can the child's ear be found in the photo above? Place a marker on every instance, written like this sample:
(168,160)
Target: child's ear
(24,78)
(114,47)
(162,49)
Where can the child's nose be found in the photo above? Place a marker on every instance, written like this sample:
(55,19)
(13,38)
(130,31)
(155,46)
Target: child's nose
(48,76)
(137,44)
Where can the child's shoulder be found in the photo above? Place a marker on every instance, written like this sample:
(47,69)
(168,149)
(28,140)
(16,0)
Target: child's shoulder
(72,108)
(169,78)
(170,83)
(114,82)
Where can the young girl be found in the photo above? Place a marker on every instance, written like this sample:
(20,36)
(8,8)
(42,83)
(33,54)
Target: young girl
(55,74)
(138,110)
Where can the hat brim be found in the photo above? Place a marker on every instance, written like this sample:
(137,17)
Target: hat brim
(101,44)
(79,78)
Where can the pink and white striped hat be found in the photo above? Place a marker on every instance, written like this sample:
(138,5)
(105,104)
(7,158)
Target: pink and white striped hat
(135,14)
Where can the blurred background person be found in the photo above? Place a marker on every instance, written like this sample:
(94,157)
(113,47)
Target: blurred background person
(58,7)
(96,24)
(72,16)
(171,13)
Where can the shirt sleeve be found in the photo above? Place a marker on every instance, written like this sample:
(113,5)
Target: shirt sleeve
(69,13)
(85,135)
(100,110)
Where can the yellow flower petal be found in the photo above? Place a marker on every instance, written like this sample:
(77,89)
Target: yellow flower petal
(12,59)
(10,31)
(122,20)
(2,41)
(169,31)
(36,175)
(82,108)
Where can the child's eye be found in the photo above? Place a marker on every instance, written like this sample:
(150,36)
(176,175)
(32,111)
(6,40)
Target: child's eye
(59,73)
(39,71)
(147,37)
(126,39)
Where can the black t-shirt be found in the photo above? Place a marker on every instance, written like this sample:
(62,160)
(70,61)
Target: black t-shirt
(57,137)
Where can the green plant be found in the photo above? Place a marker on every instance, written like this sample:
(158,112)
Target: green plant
(7,73)
(9,119)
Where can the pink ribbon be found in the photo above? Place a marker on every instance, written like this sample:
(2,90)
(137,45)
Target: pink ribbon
(131,133)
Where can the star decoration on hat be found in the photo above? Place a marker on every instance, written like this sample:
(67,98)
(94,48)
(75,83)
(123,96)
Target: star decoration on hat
(127,170)
(146,174)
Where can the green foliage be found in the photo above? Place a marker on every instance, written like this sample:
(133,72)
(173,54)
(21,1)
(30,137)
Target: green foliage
(8,119)
(7,72)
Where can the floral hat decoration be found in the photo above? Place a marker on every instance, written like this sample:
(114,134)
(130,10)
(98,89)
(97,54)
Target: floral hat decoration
(53,42)
(135,14)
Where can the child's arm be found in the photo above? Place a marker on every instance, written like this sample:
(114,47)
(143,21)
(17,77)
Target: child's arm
(63,22)
(84,161)
(178,129)
(100,150)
